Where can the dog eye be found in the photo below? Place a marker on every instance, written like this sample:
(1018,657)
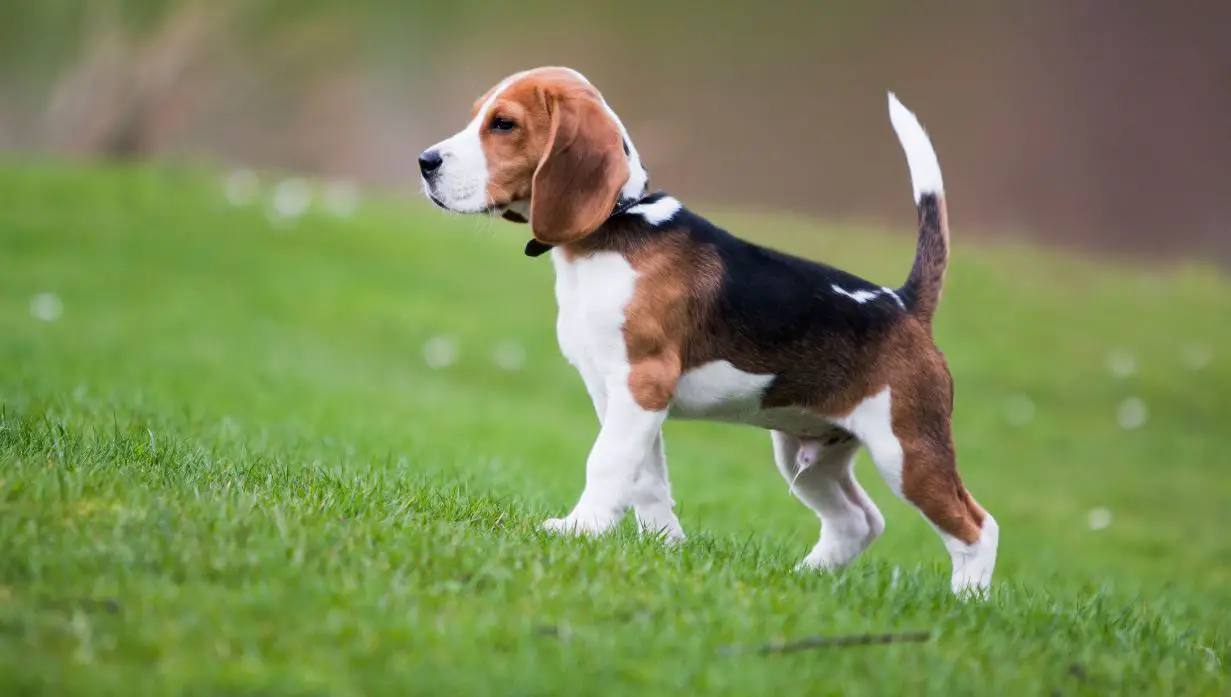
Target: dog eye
(499,123)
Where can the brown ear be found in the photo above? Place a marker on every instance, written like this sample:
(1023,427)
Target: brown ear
(578,180)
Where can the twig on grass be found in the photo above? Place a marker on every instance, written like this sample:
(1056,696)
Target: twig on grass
(822,642)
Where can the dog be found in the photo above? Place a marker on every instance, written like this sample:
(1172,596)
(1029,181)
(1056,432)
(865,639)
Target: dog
(667,316)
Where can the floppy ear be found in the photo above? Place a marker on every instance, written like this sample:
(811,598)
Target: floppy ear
(578,180)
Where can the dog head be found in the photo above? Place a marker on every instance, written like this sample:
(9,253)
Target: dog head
(543,147)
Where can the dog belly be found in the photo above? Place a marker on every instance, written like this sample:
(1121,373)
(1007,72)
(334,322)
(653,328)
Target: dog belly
(719,391)
(800,423)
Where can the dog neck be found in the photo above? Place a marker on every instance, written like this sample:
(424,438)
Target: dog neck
(627,200)
(535,248)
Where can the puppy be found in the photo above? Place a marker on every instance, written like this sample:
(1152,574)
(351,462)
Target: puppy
(665,315)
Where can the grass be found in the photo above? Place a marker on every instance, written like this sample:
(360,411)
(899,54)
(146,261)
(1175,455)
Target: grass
(226,468)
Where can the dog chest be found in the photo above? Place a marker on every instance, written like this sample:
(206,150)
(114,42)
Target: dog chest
(591,294)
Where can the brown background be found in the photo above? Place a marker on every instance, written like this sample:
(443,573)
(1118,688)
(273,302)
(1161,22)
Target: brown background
(1102,125)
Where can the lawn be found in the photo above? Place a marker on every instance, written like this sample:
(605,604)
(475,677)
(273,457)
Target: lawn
(251,456)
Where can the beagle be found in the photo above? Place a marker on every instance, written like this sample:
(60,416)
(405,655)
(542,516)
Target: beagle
(666,315)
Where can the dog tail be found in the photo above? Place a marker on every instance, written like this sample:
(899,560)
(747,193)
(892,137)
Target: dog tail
(921,294)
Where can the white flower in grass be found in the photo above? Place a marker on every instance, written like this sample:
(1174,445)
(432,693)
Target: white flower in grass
(1018,410)
(1132,413)
(46,307)
(291,198)
(1098,518)
(509,355)
(1197,356)
(1122,363)
(241,187)
(439,352)
(341,198)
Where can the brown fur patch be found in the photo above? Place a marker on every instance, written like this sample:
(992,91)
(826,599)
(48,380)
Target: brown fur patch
(921,395)
(676,282)
(927,276)
(513,156)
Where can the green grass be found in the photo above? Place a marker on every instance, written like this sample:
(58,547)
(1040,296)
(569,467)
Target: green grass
(227,469)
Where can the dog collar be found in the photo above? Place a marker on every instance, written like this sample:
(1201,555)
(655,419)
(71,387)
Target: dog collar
(534,248)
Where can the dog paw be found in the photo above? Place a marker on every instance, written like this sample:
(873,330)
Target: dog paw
(810,564)
(822,561)
(660,523)
(972,593)
(577,525)
(668,535)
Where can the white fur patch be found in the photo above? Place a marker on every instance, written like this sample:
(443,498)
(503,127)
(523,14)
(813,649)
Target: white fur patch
(863,296)
(920,155)
(718,390)
(896,299)
(592,293)
(974,564)
(659,211)
(872,422)
(859,296)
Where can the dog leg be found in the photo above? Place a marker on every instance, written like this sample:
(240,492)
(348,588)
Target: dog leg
(821,476)
(652,500)
(624,443)
(919,464)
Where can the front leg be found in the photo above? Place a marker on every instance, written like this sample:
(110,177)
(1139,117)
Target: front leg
(653,503)
(628,434)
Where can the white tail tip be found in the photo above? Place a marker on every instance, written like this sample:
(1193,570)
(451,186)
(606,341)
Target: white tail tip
(920,156)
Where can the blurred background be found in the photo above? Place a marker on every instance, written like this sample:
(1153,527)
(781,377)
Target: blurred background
(1100,126)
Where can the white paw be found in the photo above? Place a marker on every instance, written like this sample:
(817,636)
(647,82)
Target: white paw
(578,525)
(972,579)
(970,592)
(974,564)
(836,550)
(818,562)
(669,534)
(660,522)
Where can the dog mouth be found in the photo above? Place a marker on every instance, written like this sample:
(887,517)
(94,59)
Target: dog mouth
(534,247)
(487,210)
(503,210)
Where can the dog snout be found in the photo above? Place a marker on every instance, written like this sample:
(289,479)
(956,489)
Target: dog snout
(429,162)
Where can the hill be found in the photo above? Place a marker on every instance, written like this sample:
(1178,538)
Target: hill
(253,455)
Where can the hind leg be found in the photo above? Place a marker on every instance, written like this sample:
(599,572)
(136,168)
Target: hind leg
(820,475)
(913,450)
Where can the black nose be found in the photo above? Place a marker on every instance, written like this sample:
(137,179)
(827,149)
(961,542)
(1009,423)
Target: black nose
(429,162)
